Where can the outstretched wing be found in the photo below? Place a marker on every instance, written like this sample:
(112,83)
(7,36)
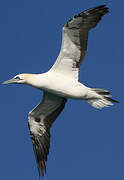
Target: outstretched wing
(40,120)
(74,42)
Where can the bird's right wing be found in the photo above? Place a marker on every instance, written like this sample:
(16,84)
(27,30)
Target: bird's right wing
(74,41)
(40,120)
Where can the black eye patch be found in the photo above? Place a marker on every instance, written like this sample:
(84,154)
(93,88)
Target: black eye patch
(17,77)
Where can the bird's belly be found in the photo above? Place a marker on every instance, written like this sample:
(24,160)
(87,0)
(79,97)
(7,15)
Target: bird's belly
(66,89)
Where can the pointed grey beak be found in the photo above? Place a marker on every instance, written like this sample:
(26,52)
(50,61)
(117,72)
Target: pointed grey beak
(10,81)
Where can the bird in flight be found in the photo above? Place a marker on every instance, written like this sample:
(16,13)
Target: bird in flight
(61,82)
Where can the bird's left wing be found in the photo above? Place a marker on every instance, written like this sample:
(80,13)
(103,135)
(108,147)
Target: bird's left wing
(40,120)
(74,41)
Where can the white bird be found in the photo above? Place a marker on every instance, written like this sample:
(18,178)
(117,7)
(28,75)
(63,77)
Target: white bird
(61,82)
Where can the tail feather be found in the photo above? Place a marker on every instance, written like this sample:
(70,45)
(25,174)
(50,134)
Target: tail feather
(112,100)
(101,99)
(102,92)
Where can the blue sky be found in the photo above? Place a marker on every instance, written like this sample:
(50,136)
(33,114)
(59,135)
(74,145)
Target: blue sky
(86,143)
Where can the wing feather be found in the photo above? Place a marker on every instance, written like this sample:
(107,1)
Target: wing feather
(40,120)
(75,38)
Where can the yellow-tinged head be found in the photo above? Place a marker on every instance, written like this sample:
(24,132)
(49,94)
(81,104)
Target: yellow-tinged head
(20,78)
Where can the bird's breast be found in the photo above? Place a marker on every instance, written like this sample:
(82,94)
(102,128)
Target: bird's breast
(62,86)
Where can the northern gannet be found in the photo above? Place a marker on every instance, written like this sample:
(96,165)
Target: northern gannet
(61,82)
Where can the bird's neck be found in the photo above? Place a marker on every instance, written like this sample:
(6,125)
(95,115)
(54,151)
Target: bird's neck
(36,80)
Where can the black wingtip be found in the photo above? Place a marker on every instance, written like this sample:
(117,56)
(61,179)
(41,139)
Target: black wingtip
(101,9)
(94,14)
(42,169)
(100,6)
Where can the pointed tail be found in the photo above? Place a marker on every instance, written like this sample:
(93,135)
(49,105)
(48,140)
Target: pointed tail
(102,98)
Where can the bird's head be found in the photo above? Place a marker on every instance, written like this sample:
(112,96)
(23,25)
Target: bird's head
(20,79)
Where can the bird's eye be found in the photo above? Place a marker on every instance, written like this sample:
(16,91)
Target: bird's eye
(17,77)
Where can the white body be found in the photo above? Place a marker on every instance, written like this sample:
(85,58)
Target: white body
(61,85)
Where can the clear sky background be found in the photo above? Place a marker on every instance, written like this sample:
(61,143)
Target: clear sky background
(86,143)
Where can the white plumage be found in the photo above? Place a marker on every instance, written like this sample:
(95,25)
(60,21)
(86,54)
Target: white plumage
(61,82)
